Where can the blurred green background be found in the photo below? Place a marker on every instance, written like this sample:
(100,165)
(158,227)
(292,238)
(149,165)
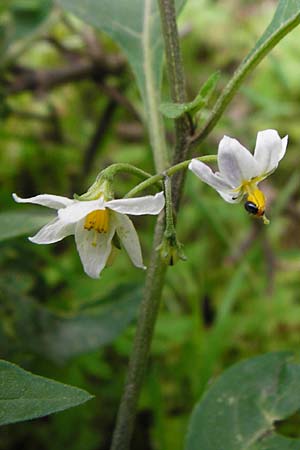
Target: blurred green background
(69,107)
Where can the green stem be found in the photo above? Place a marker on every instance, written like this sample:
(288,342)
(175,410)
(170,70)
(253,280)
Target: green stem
(170,228)
(106,177)
(169,172)
(152,97)
(177,87)
(157,269)
(245,68)
(141,347)
(112,170)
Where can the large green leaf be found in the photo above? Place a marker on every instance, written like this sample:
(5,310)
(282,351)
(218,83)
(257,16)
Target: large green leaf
(26,396)
(287,14)
(238,412)
(286,18)
(59,337)
(135,26)
(15,223)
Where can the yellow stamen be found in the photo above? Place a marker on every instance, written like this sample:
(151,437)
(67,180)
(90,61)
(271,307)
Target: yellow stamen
(265,220)
(97,220)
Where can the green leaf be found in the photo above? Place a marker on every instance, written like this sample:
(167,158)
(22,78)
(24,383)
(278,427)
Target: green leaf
(26,396)
(238,412)
(59,337)
(287,12)
(176,110)
(286,18)
(14,223)
(135,26)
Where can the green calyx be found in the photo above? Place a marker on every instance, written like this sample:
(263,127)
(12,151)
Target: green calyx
(102,187)
(171,250)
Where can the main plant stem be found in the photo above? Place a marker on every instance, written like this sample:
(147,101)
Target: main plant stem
(141,347)
(157,269)
(177,88)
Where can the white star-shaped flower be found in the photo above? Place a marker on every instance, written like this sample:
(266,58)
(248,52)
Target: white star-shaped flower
(94,223)
(240,171)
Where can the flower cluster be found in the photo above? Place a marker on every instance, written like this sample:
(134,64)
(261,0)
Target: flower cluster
(95,220)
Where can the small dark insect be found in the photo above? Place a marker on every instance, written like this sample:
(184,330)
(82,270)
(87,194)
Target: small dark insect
(251,207)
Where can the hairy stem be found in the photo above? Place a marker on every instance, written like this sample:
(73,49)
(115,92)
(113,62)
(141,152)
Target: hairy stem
(141,347)
(157,269)
(177,88)
(170,228)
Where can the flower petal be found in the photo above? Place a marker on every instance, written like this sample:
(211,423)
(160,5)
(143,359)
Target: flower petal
(233,197)
(54,231)
(129,239)
(149,204)
(235,162)
(269,150)
(205,174)
(80,209)
(52,201)
(94,248)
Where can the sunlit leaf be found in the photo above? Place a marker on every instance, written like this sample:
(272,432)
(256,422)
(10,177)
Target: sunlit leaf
(239,410)
(26,396)
(286,14)
(286,18)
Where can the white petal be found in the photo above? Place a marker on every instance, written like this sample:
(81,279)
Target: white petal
(205,174)
(284,143)
(269,150)
(52,201)
(235,162)
(234,197)
(94,248)
(129,239)
(149,204)
(54,231)
(80,209)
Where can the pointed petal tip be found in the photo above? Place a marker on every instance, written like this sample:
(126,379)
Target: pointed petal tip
(16,197)
(224,139)
(194,163)
(33,240)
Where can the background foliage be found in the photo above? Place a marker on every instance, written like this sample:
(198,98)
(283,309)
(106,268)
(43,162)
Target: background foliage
(69,107)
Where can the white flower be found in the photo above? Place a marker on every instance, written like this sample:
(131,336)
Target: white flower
(94,224)
(240,171)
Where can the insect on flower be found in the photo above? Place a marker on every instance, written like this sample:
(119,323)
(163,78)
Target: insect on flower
(240,171)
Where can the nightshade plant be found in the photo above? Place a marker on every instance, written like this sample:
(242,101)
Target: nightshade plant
(143,28)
